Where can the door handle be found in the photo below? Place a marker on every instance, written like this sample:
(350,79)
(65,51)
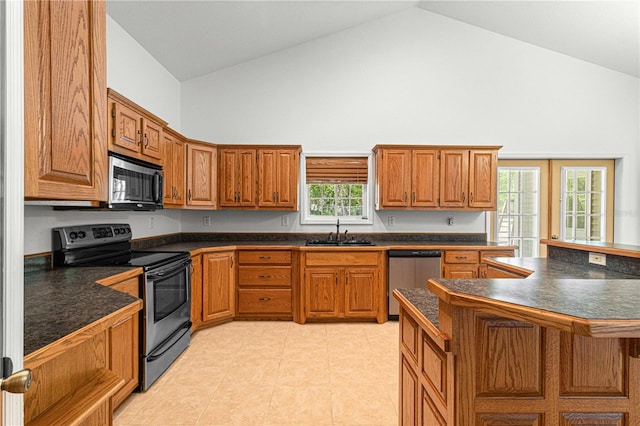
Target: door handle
(18,382)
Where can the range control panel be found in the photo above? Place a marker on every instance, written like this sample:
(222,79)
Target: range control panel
(70,237)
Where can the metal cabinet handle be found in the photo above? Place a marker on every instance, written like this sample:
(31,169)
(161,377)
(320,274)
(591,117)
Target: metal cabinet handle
(146,140)
(471,197)
(18,382)
(189,194)
(265,257)
(414,196)
(264,299)
(139,137)
(464,197)
(264,276)
(405,197)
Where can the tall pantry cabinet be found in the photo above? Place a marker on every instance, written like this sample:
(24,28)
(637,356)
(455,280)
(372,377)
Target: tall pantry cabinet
(65,100)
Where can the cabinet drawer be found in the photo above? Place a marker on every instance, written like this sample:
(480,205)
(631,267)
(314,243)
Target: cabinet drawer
(264,301)
(340,258)
(282,257)
(461,256)
(264,276)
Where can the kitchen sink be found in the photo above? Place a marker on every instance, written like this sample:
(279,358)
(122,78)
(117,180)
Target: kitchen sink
(329,243)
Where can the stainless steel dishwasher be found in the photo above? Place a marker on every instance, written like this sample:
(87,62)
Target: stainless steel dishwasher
(410,269)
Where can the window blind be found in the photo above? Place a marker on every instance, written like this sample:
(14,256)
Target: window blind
(337,170)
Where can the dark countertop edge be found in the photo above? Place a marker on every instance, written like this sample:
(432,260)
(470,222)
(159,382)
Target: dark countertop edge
(591,327)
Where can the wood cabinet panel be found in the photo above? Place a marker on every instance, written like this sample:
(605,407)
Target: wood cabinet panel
(425,178)
(454,178)
(134,131)
(409,333)
(265,301)
(278,178)
(282,257)
(434,367)
(506,349)
(264,276)
(430,414)
(65,100)
(394,177)
(201,175)
(218,287)
(460,271)
(483,179)
(461,256)
(196,292)
(493,272)
(593,419)
(409,386)
(592,366)
(174,169)
(361,293)
(237,174)
(501,419)
(321,293)
(342,258)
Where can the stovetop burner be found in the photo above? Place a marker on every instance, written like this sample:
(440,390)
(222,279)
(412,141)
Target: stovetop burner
(104,245)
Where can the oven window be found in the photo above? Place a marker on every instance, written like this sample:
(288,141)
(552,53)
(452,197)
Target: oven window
(132,186)
(169,294)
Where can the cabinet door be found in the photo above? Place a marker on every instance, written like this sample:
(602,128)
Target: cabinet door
(321,293)
(286,179)
(268,178)
(218,289)
(483,166)
(65,108)
(167,164)
(127,131)
(196,292)
(394,177)
(228,174)
(460,271)
(454,178)
(425,178)
(247,178)
(361,293)
(123,346)
(151,139)
(201,176)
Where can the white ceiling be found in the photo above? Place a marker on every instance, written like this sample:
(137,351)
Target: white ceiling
(193,38)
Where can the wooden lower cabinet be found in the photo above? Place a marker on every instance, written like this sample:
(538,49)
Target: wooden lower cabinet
(196,292)
(218,286)
(123,346)
(469,263)
(331,289)
(265,284)
(491,370)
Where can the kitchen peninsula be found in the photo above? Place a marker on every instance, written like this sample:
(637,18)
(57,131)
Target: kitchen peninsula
(555,348)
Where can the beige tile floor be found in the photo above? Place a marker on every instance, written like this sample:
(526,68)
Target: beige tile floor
(277,373)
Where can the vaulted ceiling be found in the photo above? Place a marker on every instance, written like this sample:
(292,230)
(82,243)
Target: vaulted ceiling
(193,38)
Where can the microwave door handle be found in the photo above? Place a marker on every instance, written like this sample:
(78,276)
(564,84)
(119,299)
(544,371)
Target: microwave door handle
(157,187)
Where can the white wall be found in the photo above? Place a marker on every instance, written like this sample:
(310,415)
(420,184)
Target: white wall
(39,220)
(420,78)
(134,73)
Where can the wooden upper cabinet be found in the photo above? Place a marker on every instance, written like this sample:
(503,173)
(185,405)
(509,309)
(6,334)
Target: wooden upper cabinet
(201,175)
(134,131)
(278,178)
(174,168)
(237,177)
(483,166)
(436,177)
(65,100)
(394,177)
(258,176)
(454,178)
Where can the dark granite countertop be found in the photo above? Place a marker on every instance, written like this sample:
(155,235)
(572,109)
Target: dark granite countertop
(61,301)
(424,301)
(556,269)
(593,299)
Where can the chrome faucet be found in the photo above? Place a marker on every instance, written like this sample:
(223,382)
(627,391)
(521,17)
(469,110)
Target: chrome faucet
(338,230)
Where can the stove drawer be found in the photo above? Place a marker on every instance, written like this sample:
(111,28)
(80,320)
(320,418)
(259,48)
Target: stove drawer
(264,301)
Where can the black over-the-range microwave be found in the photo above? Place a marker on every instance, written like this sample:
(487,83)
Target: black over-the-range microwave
(134,184)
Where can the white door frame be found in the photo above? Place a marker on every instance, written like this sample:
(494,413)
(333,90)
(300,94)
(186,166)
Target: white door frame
(12,169)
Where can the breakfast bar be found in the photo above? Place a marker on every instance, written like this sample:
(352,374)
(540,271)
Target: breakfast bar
(539,350)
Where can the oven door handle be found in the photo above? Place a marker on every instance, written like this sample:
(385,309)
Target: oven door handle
(172,270)
(169,343)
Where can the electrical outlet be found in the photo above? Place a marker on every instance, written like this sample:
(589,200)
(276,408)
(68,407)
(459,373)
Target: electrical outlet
(598,259)
(450,221)
(206,220)
(391,220)
(284,221)
(151,222)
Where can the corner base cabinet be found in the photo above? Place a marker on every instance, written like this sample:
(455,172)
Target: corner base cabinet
(343,285)
(218,286)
